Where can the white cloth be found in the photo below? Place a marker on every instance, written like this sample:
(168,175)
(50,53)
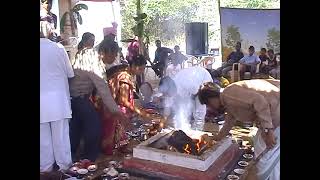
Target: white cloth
(173,70)
(55,145)
(269,164)
(55,69)
(188,82)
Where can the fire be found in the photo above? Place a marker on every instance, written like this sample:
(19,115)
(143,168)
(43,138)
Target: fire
(187,149)
(199,144)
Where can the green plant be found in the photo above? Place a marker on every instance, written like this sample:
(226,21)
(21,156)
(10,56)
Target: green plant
(138,29)
(74,16)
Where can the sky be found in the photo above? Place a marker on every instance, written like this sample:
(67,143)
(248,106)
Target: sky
(253,24)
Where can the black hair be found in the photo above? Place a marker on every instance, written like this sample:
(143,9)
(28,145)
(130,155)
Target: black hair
(251,48)
(208,90)
(85,37)
(110,37)
(167,86)
(114,69)
(263,49)
(49,1)
(271,50)
(238,43)
(138,61)
(108,46)
(158,41)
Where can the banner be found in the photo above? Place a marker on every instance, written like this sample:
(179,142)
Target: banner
(252,27)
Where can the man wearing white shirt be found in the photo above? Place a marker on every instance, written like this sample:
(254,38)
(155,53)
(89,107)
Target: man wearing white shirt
(55,107)
(181,96)
(250,62)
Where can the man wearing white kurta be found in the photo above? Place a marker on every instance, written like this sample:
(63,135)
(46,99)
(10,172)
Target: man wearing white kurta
(55,109)
(181,96)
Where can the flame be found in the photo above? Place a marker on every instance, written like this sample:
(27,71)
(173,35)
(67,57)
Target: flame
(187,149)
(200,143)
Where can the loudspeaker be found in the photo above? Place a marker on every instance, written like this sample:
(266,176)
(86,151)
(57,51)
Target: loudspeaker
(196,38)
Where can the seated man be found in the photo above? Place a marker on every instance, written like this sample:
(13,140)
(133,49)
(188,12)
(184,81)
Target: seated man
(249,62)
(233,57)
(177,57)
(272,60)
(263,55)
(264,61)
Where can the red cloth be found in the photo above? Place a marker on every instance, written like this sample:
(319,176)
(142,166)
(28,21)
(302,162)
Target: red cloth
(113,134)
(133,50)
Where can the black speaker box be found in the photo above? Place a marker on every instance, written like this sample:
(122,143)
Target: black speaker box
(196,38)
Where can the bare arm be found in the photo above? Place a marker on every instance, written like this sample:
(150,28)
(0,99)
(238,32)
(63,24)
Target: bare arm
(124,100)
(242,60)
(227,126)
(168,50)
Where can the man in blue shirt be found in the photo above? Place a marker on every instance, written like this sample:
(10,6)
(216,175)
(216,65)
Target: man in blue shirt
(250,62)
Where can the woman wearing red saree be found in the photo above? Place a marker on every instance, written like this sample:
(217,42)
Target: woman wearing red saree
(121,84)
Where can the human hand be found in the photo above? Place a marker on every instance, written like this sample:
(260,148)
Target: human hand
(269,139)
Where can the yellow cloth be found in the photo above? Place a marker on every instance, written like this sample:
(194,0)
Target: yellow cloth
(224,82)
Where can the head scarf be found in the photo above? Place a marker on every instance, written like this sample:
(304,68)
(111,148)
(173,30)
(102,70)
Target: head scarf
(110,30)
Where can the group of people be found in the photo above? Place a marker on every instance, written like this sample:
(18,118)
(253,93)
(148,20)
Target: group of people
(85,106)
(267,62)
(166,61)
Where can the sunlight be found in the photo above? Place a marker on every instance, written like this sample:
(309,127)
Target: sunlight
(98,16)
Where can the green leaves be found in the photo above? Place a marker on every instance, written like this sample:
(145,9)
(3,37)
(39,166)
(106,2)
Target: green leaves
(253,4)
(74,16)
(79,7)
(233,36)
(166,18)
(78,17)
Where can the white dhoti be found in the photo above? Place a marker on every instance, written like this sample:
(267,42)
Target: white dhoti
(55,145)
(269,165)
